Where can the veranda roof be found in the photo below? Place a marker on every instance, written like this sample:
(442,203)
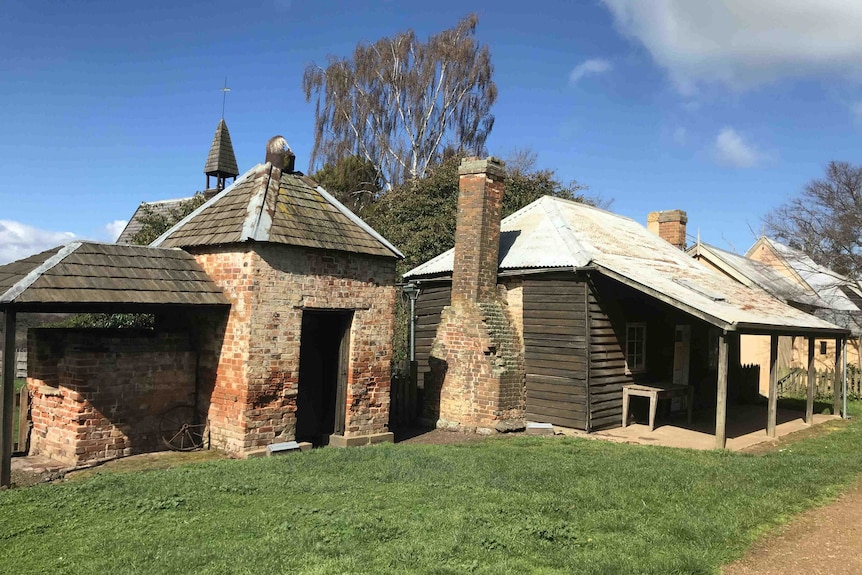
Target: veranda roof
(96,274)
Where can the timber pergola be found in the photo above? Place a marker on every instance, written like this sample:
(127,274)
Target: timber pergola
(89,277)
(737,310)
(838,385)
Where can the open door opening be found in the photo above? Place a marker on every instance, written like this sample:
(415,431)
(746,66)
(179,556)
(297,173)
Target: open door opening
(322,395)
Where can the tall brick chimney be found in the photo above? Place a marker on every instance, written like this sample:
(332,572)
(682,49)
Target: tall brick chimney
(669,225)
(477,230)
(477,358)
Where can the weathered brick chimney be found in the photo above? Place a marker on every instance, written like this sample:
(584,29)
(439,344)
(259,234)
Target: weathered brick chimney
(477,355)
(669,225)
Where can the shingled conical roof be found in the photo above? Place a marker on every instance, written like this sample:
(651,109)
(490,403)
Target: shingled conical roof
(267,204)
(221,161)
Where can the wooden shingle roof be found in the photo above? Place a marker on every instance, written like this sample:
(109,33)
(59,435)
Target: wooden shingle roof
(221,160)
(266,205)
(86,273)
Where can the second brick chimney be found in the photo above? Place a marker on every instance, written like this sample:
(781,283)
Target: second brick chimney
(669,225)
(477,356)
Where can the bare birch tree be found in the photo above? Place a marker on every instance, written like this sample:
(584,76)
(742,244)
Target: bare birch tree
(399,102)
(825,220)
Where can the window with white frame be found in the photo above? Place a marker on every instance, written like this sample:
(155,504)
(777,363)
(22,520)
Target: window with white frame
(635,347)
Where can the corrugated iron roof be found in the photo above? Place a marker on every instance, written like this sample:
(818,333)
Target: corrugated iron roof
(838,295)
(221,160)
(94,273)
(267,205)
(756,274)
(556,233)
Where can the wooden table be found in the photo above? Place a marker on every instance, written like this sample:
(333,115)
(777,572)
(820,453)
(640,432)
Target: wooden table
(655,392)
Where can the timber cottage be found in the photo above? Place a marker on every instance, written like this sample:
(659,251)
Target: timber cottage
(558,312)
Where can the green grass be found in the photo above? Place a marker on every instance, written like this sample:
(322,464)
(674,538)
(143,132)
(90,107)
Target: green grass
(508,505)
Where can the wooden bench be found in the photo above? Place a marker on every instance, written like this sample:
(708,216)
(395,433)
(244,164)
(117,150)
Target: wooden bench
(655,392)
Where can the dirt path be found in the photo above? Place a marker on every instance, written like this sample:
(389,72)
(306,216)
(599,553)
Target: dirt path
(822,541)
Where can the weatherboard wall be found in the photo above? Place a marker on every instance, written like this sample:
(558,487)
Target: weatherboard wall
(555,327)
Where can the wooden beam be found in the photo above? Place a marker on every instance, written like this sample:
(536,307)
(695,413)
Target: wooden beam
(721,396)
(8,385)
(838,380)
(772,410)
(809,401)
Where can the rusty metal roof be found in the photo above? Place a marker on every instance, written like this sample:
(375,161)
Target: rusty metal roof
(88,273)
(556,233)
(221,160)
(266,205)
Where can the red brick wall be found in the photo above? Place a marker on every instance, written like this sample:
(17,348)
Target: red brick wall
(256,383)
(477,364)
(99,394)
(477,234)
(224,367)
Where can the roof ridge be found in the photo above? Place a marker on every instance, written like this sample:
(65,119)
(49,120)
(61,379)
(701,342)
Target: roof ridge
(357,220)
(246,176)
(28,280)
(576,246)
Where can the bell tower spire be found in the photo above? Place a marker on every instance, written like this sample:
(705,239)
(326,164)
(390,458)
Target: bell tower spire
(221,161)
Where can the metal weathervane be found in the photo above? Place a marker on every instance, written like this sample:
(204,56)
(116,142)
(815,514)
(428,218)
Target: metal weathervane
(224,90)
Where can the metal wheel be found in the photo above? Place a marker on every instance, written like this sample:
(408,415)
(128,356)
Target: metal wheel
(183,428)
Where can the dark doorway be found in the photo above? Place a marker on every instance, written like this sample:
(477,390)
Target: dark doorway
(322,395)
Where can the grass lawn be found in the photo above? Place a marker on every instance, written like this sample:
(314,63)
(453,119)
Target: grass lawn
(508,505)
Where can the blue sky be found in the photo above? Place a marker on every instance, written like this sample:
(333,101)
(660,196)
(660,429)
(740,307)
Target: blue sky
(723,109)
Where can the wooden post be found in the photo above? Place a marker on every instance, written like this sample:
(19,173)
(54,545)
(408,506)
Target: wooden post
(8,399)
(809,401)
(772,410)
(23,418)
(836,377)
(721,396)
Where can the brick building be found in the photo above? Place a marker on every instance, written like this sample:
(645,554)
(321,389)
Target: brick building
(305,351)
(273,310)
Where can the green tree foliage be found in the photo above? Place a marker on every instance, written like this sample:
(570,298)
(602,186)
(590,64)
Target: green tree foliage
(825,220)
(155,222)
(399,102)
(107,320)
(353,180)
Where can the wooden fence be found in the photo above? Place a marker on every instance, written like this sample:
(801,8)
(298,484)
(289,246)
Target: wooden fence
(795,383)
(404,397)
(20,363)
(21,424)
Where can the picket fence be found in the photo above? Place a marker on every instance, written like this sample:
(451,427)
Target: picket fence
(795,383)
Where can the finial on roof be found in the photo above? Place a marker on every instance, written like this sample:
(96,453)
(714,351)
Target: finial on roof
(279,154)
(221,161)
(224,90)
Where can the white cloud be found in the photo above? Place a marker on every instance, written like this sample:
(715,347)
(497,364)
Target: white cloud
(19,240)
(743,43)
(589,67)
(732,150)
(115,228)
